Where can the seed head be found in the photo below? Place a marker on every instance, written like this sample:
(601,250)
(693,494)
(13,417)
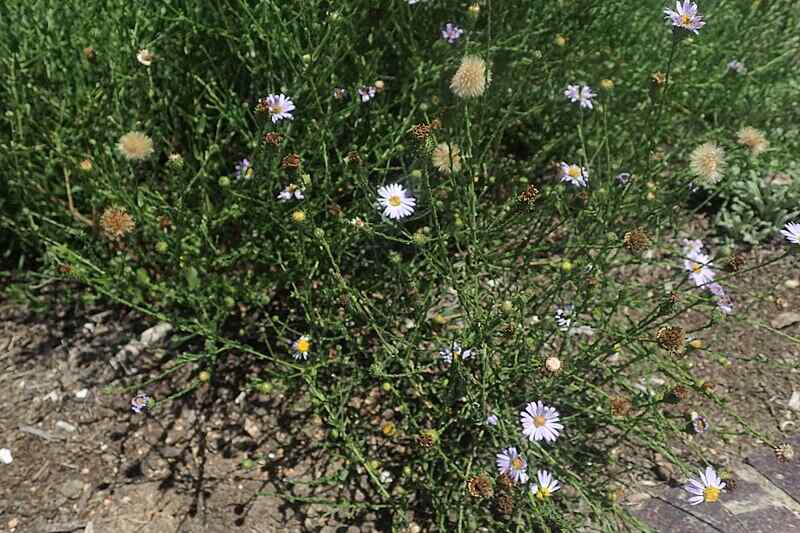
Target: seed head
(135,146)
(753,139)
(116,223)
(352,158)
(420,132)
(291,162)
(707,162)
(671,338)
(90,54)
(552,365)
(620,406)
(735,263)
(427,438)
(273,138)
(529,196)
(784,452)
(480,486)
(678,394)
(471,78)
(446,158)
(636,241)
(504,503)
(86,165)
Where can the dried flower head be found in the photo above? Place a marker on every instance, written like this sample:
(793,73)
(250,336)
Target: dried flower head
(480,486)
(508,329)
(552,365)
(135,146)
(636,241)
(352,158)
(291,162)
(175,161)
(427,438)
(678,393)
(380,86)
(420,132)
(471,78)
(671,338)
(707,162)
(504,503)
(620,406)
(446,158)
(784,452)
(86,165)
(90,54)
(735,263)
(658,80)
(273,138)
(145,57)
(529,196)
(753,139)
(504,481)
(116,223)
(699,423)
(164,223)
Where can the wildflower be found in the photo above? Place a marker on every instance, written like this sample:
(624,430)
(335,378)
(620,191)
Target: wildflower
(792,232)
(379,85)
(339,93)
(699,266)
(273,138)
(623,178)
(396,201)
(491,420)
(699,423)
(707,162)
(581,94)
(735,263)
(86,165)
(707,489)
(724,302)
(577,176)
(754,139)
(385,477)
(116,223)
(175,161)
(540,422)
(291,191)
(784,453)
(451,33)
(563,318)
(455,352)
(737,67)
(301,348)
(546,485)
(244,169)
(471,78)
(692,246)
(145,57)
(636,241)
(140,402)
(620,406)
(279,107)
(135,146)
(480,486)
(553,365)
(671,338)
(512,464)
(90,54)
(298,216)
(291,162)
(685,17)
(446,158)
(366,93)
(388,428)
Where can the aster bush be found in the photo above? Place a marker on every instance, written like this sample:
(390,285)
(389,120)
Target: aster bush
(349,204)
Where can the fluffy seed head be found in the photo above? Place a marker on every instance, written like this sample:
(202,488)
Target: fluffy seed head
(446,158)
(116,223)
(552,364)
(135,146)
(707,162)
(86,165)
(784,453)
(471,78)
(753,139)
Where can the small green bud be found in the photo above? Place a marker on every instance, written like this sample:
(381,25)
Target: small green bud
(204,376)
(224,181)
(248,464)
(161,247)
(229,302)
(566,265)
(306,58)
(507,307)
(416,173)
(265,387)
(319,233)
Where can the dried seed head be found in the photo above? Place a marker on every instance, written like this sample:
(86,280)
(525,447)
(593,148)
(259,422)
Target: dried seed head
(446,158)
(753,139)
(658,80)
(116,223)
(420,132)
(784,452)
(86,165)
(471,78)
(480,486)
(730,483)
(504,503)
(90,54)
(427,438)
(671,338)
(620,406)
(164,223)
(352,158)
(291,162)
(735,263)
(135,146)
(707,162)
(678,394)
(529,196)
(552,365)
(273,138)
(504,482)
(508,329)
(636,241)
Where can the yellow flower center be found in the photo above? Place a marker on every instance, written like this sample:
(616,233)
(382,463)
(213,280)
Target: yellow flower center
(574,171)
(542,493)
(394,201)
(538,421)
(696,267)
(517,463)
(303,345)
(276,108)
(711,494)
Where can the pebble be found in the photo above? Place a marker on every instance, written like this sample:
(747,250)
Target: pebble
(66,426)
(792,283)
(82,394)
(5,456)
(72,489)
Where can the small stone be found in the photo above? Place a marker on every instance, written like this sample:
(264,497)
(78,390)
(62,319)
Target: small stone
(155,334)
(794,401)
(13,523)
(65,426)
(251,428)
(792,283)
(82,394)
(785,319)
(5,456)
(72,489)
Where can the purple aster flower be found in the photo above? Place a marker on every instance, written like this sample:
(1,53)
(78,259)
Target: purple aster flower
(707,489)
(724,302)
(581,94)
(699,423)
(451,33)
(291,191)
(140,402)
(540,422)
(491,420)
(575,175)
(699,266)
(244,169)
(454,352)
(685,16)
(512,464)
(564,318)
(366,93)
(792,232)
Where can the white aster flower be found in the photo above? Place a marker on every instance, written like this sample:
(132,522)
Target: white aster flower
(397,203)
(564,318)
(291,191)
(455,352)
(546,485)
(512,464)
(574,174)
(145,57)
(581,94)
(700,269)
(707,488)
(279,107)
(301,347)
(685,16)
(737,67)
(491,420)
(792,232)
(540,422)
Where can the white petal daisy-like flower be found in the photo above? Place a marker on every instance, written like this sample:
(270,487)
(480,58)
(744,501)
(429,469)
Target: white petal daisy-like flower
(455,352)
(574,174)
(706,489)
(512,464)
(279,106)
(397,203)
(685,16)
(145,57)
(301,347)
(700,269)
(291,191)
(792,232)
(546,485)
(540,422)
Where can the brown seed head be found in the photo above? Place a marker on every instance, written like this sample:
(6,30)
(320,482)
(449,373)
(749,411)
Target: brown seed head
(504,503)
(636,241)
(116,223)
(620,406)
(90,54)
(480,486)
(678,393)
(273,138)
(352,158)
(291,162)
(671,338)
(427,438)
(735,263)
(658,80)
(164,223)
(420,132)
(529,196)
